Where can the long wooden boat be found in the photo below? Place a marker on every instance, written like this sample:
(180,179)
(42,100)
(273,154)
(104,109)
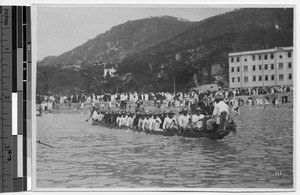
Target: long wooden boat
(223,129)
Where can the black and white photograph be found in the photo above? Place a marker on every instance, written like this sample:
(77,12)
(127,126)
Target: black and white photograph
(156,97)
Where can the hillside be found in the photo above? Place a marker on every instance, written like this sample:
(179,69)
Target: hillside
(151,52)
(208,43)
(121,40)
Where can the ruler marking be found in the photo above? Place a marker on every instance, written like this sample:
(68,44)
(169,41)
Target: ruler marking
(6,51)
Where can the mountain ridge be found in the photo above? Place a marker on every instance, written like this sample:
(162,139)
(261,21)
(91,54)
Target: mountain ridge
(190,51)
(122,39)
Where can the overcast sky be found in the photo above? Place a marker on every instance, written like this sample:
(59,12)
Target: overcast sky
(60,29)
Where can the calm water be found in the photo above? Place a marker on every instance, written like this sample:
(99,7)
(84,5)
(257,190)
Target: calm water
(260,155)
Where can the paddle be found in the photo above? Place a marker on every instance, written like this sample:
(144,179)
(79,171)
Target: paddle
(44,144)
(193,123)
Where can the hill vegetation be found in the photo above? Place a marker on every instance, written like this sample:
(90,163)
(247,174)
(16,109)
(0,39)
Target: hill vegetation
(149,53)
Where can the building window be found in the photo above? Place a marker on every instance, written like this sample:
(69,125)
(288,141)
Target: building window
(232,69)
(239,79)
(281,77)
(254,78)
(289,54)
(266,56)
(259,57)
(253,57)
(266,66)
(245,68)
(266,77)
(259,67)
(280,65)
(290,65)
(232,59)
(272,56)
(237,59)
(272,66)
(238,69)
(290,77)
(232,79)
(272,77)
(253,67)
(259,78)
(246,79)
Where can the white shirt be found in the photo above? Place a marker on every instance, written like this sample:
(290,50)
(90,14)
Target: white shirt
(141,123)
(100,117)
(169,123)
(183,120)
(95,115)
(155,123)
(219,108)
(122,121)
(129,121)
(195,120)
(147,123)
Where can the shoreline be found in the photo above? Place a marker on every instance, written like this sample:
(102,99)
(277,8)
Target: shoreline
(149,105)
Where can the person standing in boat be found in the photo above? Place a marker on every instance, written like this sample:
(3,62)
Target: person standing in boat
(219,107)
(197,119)
(184,120)
(170,123)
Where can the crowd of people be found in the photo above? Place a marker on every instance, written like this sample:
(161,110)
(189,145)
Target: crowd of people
(166,99)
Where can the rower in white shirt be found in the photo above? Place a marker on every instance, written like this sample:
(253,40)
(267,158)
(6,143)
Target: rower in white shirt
(155,122)
(184,119)
(123,119)
(141,121)
(170,123)
(197,119)
(147,122)
(129,122)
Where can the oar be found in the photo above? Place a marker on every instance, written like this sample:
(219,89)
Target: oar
(44,144)
(170,125)
(192,123)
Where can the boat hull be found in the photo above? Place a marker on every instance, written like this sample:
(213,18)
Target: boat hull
(213,134)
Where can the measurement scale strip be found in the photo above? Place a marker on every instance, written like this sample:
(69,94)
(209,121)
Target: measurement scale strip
(15,57)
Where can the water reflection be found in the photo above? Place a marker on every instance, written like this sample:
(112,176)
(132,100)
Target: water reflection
(260,155)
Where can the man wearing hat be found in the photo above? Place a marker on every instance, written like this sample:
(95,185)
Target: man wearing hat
(170,123)
(130,119)
(136,120)
(220,106)
(162,117)
(141,121)
(197,119)
(147,123)
(184,119)
(155,122)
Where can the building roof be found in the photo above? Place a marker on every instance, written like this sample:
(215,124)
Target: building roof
(261,51)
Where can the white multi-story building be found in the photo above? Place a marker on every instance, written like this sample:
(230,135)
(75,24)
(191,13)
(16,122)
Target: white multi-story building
(259,68)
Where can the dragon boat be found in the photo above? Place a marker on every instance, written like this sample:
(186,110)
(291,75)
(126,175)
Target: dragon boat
(219,132)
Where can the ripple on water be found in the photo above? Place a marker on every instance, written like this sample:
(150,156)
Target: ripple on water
(94,157)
